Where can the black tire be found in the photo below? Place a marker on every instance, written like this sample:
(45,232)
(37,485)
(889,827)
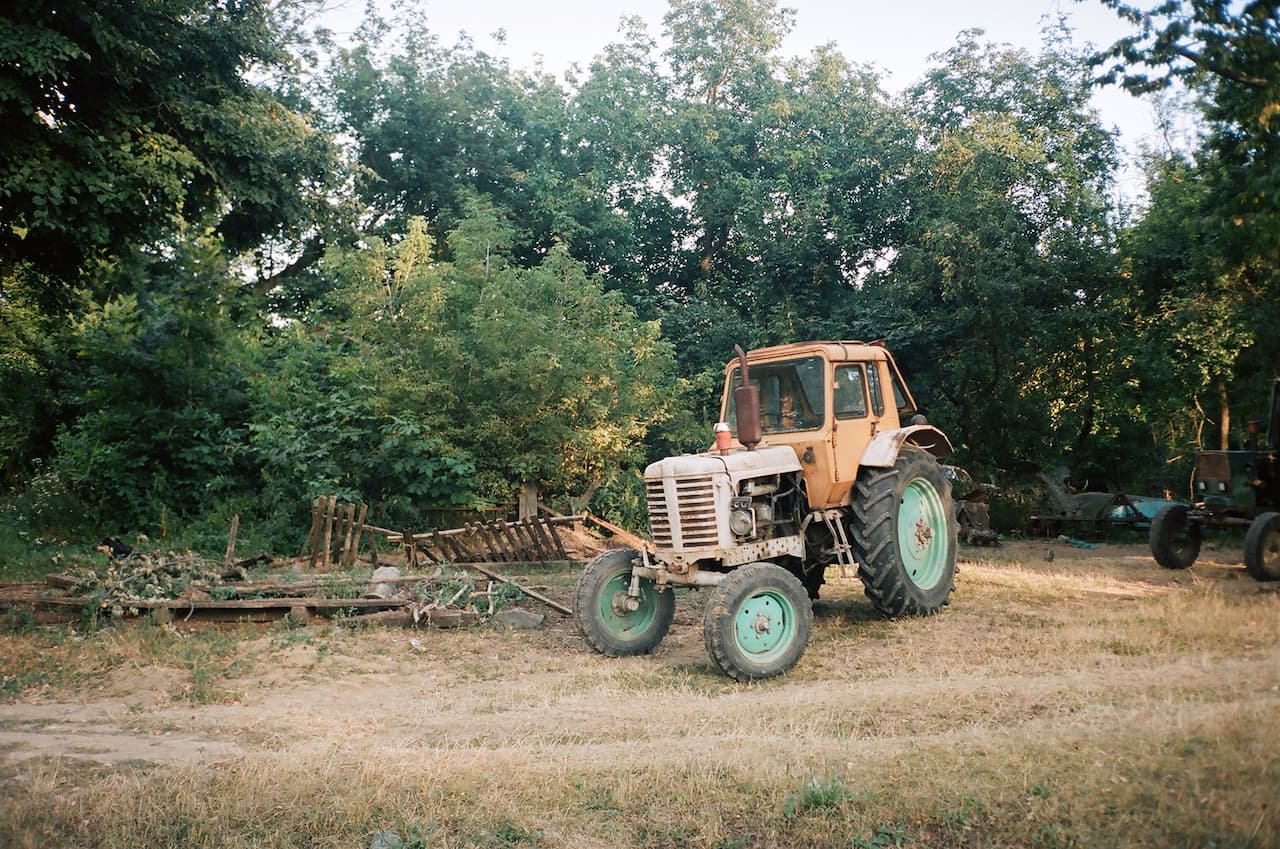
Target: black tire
(1175,542)
(600,613)
(902,571)
(1262,548)
(757,622)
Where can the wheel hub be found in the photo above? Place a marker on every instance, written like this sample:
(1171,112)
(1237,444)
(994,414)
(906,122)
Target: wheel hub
(924,533)
(761,625)
(624,604)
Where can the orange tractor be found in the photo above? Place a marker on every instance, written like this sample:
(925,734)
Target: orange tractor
(821,460)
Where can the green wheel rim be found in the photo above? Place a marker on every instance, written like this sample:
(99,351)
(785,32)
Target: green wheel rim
(765,625)
(615,618)
(922,534)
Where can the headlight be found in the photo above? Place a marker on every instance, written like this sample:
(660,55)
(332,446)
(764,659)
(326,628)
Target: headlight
(741,522)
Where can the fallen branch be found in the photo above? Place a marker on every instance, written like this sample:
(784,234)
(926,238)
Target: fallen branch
(554,605)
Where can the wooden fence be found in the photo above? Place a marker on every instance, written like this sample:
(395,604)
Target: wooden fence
(337,530)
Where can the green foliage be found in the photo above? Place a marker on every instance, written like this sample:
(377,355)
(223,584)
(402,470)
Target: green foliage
(818,795)
(124,117)
(1205,258)
(204,314)
(537,373)
(885,836)
(1003,258)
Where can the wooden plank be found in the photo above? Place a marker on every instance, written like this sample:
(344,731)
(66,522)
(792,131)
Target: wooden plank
(621,534)
(355,546)
(317,513)
(430,542)
(455,549)
(230,558)
(485,537)
(428,555)
(544,543)
(493,542)
(555,538)
(474,535)
(458,551)
(513,542)
(530,548)
(315,529)
(475,544)
(328,531)
(533,551)
(229,604)
(350,532)
(410,549)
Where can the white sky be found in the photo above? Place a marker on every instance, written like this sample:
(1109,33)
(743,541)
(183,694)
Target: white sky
(897,38)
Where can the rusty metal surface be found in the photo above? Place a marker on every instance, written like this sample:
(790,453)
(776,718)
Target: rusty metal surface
(882,450)
(1213,466)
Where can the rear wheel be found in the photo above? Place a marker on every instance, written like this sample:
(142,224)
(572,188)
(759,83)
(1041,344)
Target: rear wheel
(1262,548)
(757,622)
(609,620)
(1175,542)
(904,530)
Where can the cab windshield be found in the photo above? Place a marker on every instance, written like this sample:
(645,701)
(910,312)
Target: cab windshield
(791,394)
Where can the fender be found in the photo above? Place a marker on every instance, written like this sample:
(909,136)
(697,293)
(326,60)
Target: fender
(882,450)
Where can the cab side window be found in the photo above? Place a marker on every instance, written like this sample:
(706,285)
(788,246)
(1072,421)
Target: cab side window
(850,396)
(873,383)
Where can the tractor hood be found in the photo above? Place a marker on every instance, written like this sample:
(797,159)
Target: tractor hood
(737,464)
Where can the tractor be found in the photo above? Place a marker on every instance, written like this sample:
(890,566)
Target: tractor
(820,460)
(1239,488)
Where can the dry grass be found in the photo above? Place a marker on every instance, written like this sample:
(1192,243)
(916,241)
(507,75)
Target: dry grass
(1088,702)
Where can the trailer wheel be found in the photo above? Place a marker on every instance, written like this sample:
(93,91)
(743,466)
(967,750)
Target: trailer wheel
(1262,548)
(603,616)
(1175,542)
(904,530)
(757,622)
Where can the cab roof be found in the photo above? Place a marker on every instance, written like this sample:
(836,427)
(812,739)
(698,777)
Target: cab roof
(846,351)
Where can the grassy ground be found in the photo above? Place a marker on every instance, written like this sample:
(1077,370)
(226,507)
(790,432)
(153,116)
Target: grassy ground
(1093,700)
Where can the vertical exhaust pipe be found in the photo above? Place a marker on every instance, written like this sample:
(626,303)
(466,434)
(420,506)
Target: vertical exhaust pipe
(746,400)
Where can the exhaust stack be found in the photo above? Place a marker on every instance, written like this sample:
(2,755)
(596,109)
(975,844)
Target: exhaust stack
(746,400)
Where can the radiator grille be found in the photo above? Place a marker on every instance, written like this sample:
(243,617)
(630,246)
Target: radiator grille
(1212,466)
(692,519)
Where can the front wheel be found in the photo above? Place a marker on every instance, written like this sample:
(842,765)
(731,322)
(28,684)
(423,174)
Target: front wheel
(1262,548)
(904,531)
(612,622)
(1175,542)
(757,622)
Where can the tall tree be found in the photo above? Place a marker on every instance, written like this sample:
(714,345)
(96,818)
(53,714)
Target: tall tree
(1003,258)
(124,118)
(1221,301)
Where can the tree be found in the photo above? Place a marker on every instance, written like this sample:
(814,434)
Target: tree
(1207,251)
(992,289)
(537,373)
(123,119)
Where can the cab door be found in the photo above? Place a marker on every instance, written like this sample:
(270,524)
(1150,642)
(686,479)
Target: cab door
(853,423)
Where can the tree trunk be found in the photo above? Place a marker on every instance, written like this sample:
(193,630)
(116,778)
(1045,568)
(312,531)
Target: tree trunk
(1224,416)
(528,501)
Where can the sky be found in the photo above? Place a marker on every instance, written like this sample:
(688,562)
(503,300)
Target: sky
(895,37)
